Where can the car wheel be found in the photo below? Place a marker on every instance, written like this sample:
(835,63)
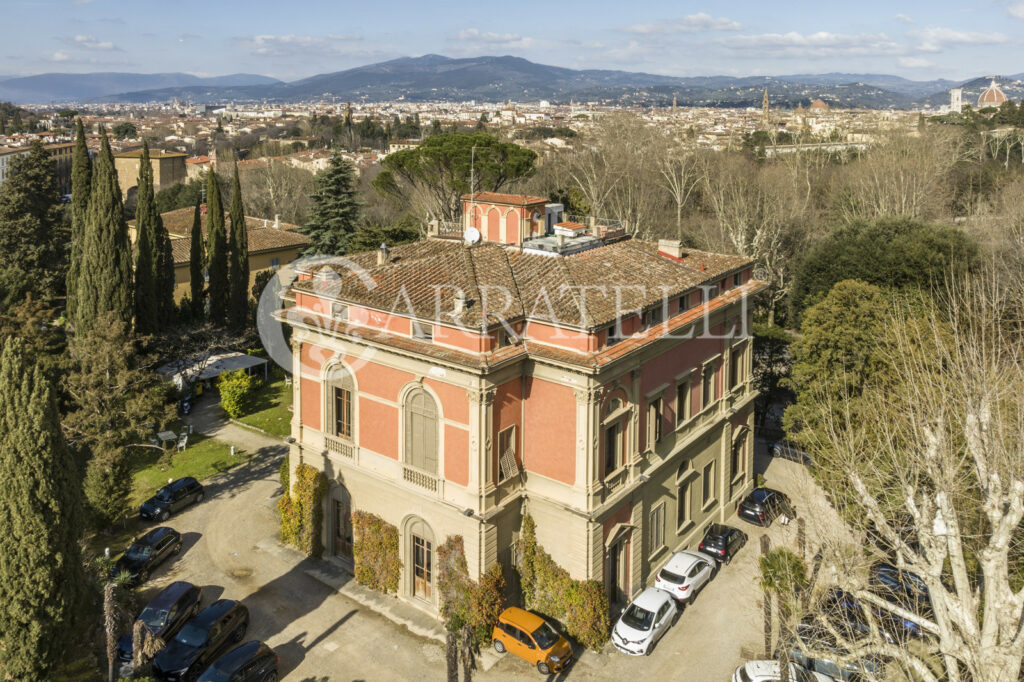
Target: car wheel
(239,633)
(499,646)
(199,497)
(543,668)
(143,576)
(728,559)
(164,515)
(776,451)
(271,677)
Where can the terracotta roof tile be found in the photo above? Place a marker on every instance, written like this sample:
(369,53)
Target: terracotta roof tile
(500,198)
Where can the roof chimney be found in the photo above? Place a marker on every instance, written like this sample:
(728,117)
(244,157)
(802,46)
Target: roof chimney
(594,232)
(277,221)
(460,302)
(382,254)
(673,248)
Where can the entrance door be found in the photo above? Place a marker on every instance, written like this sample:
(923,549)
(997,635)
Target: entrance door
(421,567)
(342,530)
(617,572)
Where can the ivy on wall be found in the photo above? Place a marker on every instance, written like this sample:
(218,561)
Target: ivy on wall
(580,605)
(464,601)
(375,552)
(302,512)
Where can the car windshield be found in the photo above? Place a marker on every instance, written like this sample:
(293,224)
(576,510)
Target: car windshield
(714,540)
(545,636)
(138,552)
(191,635)
(637,618)
(164,493)
(670,577)
(154,618)
(758,495)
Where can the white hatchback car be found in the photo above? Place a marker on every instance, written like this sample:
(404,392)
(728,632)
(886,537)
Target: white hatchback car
(685,574)
(643,622)
(771,671)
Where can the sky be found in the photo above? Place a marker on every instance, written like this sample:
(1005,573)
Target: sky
(292,39)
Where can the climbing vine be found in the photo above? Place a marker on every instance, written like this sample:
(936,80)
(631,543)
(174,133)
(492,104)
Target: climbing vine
(302,513)
(464,601)
(375,552)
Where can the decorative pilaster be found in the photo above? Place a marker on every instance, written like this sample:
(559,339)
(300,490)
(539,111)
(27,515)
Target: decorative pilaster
(481,437)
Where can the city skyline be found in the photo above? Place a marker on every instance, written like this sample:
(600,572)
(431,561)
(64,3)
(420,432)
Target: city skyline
(909,39)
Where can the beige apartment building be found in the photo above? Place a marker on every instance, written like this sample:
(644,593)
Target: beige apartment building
(168,169)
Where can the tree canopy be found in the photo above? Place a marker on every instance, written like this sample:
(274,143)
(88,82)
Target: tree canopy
(335,210)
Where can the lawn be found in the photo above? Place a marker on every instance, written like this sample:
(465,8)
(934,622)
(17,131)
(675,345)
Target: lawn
(271,410)
(203,458)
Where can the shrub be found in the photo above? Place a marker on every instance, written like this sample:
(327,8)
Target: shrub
(464,601)
(236,392)
(580,605)
(302,514)
(284,473)
(487,603)
(375,552)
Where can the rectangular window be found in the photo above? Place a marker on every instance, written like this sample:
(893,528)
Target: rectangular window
(707,386)
(653,422)
(657,529)
(423,331)
(710,292)
(612,337)
(683,402)
(683,504)
(738,460)
(685,302)
(708,487)
(735,366)
(507,466)
(612,446)
(342,412)
(339,311)
(652,317)
(275,263)
(737,279)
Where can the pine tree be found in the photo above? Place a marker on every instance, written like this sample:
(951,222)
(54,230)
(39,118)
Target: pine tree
(81,181)
(33,236)
(196,266)
(335,209)
(105,278)
(146,256)
(238,272)
(216,252)
(40,569)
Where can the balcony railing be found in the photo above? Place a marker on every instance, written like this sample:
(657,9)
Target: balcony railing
(339,446)
(419,478)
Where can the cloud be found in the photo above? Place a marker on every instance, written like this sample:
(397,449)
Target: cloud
(291,45)
(915,62)
(60,56)
(1016,10)
(903,18)
(91,43)
(936,39)
(475,35)
(694,23)
(820,44)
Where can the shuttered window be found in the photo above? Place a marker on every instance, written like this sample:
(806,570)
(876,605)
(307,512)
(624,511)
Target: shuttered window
(421,431)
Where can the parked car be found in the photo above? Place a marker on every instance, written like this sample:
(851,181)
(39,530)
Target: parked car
(902,587)
(818,640)
(643,622)
(848,615)
(771,671)
(146,553)
(532,639)
(685,574)
(251,662)
(905,530)
(763,505)
(165,614)
(172,498)
(201,641)
(787,449)
(722,542)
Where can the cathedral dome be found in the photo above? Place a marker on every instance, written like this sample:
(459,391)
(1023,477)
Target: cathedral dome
(992,97)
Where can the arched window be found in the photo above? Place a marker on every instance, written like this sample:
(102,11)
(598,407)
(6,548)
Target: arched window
(340,409)
(421,431)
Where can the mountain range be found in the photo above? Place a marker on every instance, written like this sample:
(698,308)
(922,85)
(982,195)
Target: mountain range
(435,77)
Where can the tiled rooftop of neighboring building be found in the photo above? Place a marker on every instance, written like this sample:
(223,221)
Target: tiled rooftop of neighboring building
(499,198)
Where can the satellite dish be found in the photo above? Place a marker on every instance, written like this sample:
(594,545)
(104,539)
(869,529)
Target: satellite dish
(472,235)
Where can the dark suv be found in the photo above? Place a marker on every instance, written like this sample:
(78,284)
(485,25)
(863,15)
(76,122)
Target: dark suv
(903,587)
(722,542)
(165,615)
(172,498)
(764,505)
(146,553)
(201,641)
(250,662)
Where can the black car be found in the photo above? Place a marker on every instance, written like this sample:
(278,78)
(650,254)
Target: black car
(903,587)
(165,614)
(251,662)
(763,505)
(146,553)
(201,641)
(722,542)
(172,498)
(847,613)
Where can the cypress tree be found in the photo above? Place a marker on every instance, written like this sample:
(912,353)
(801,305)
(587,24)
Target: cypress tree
(238,273)
(216,252)
(164,274)
(335,209)
(40,569)
(105,279)
(146,254)
(81,174)
(196,266)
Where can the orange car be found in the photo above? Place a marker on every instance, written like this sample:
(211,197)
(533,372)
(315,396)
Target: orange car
(532,639)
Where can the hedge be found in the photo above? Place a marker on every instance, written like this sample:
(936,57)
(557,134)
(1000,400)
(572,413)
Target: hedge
(302,512)
(464,601)
(580,605)
(375,552)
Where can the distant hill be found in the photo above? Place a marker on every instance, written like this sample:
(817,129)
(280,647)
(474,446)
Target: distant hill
(496,79)
(1012,87)
(65,87)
